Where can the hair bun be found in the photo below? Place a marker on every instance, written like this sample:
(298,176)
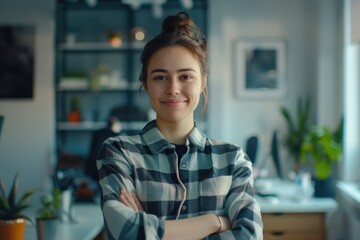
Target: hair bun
(180,23)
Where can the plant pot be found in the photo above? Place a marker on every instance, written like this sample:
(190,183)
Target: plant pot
(74,116)
(46,229)
(324,188)
(12,229)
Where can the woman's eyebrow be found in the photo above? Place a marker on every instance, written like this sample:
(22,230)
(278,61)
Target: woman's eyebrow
(165,71)
(186,70)
(158,70)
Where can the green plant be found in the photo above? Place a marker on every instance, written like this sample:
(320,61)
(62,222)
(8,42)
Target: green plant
(75,104)
(297,128)
(49,205)
(10,208)
(322,149)
(72,75)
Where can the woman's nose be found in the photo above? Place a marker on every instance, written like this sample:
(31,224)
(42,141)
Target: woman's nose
(173,87)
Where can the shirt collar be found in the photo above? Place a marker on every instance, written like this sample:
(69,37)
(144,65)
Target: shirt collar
(156,142)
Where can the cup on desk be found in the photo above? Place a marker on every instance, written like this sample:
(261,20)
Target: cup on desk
(65,210)
(306,186)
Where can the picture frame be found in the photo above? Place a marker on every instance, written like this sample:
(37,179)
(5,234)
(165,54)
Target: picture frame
(260,68)
(17,44)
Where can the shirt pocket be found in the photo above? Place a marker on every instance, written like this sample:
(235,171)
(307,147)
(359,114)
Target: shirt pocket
(213,192)
(157,198)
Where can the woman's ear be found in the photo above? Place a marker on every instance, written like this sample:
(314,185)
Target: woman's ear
(203,83)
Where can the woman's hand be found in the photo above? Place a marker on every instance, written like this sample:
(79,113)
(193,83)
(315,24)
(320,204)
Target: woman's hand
(131,200)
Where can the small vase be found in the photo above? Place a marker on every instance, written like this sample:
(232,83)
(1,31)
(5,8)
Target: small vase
(12,229)
(46,229)
(65,209)
(74,116)
(324,188)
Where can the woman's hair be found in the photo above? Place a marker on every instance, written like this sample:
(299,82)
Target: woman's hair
(178,30)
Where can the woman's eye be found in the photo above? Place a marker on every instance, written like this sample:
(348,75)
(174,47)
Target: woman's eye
(160,77)
(186,77)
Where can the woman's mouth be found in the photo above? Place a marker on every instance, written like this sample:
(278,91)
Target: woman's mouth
(173,102)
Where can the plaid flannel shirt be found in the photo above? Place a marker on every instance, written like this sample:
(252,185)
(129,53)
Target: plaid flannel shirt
(211,177)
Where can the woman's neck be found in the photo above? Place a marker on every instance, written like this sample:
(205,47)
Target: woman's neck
(175,132)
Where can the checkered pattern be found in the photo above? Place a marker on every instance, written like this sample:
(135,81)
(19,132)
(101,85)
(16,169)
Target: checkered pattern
(211,177)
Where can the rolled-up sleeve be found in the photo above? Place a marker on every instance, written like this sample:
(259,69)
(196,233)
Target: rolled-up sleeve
(240,204)
(121,222)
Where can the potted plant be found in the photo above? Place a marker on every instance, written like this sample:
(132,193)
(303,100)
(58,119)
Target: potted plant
(12,218)
(74,114)
(321,149)
(297,129)
(47,215)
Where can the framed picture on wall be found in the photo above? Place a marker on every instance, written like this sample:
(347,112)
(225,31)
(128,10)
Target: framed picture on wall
(260,68)
(16,61)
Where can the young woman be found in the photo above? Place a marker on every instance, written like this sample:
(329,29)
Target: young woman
(171,181)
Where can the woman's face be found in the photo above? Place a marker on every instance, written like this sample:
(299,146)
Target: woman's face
(174,84)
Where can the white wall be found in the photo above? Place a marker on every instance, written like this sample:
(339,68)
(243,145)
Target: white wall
(27,139)
(310,29)
(355,19)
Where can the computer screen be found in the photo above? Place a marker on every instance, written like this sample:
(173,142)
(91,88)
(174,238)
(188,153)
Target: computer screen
(276,155)
(1,123)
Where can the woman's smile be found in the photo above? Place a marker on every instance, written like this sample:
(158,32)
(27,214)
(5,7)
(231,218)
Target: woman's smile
(174,102)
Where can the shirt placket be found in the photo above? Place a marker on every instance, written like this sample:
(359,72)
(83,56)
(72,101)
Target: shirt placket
(183,199)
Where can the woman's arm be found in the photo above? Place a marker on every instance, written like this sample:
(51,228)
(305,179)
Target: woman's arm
(191,228)
(241,205)
(121,222)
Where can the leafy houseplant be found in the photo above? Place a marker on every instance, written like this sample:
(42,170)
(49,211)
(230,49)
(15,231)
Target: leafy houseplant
(298,128)
(47,216)
(12,218)
(322,149)
(50,204)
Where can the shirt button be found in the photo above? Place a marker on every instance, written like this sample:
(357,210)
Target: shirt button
(183,165)
(183,208)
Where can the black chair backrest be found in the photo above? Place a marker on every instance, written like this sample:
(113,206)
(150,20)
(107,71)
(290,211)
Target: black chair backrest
(252,147)
(1,122)
(276,155)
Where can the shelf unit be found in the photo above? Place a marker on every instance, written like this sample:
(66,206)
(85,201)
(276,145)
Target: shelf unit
(101,76)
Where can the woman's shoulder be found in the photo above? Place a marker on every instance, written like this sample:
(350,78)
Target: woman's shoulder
(123,141)
(221,144)
(226,151)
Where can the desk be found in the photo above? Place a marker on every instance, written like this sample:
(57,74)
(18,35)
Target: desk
(290,219)
(287,217)
(313,205)
(88,224)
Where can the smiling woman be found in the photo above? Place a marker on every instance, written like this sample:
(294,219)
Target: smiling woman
(174,87)
(171,181)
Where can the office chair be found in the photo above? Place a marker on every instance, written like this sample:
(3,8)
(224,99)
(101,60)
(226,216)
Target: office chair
(275,154)
(1,122)
(252,148)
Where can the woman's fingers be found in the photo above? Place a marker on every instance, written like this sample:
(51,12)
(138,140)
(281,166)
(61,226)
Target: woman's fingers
(130,200)
(137,202)
(125,201)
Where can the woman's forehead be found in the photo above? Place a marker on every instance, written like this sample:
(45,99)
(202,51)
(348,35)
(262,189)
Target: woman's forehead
(176,57)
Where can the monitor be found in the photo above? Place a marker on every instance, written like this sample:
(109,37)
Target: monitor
(1,122)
